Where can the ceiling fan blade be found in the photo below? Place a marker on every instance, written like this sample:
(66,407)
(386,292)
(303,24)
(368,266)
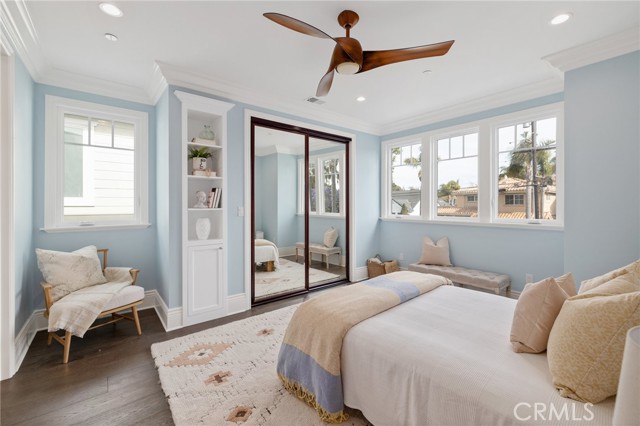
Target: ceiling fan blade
(296,25)
(377,58)
(325,83)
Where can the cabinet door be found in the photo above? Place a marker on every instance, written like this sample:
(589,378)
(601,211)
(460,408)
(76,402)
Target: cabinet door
(205,293)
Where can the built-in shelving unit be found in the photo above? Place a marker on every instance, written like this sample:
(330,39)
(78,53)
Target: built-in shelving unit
(204,253)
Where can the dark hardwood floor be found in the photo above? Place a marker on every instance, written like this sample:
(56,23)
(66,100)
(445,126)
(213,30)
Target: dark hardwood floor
(111,378)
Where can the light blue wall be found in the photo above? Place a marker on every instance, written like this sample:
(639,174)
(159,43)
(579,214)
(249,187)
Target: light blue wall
(166,251)
(268,195)
(26,290)
(287,203)
(133,247)
(319,225)
(512,251)
(602,135)
(259,191)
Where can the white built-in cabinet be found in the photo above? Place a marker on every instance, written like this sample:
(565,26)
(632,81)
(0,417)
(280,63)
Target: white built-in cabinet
(204,275)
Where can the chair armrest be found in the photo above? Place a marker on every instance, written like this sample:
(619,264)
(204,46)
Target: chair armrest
(46,287)
(134,275)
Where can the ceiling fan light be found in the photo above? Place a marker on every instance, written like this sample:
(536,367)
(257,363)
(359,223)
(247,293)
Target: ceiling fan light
(348,68)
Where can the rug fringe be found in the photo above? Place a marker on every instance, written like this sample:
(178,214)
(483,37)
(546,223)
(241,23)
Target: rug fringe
(308,397)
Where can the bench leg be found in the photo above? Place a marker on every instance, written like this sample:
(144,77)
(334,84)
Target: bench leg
(296,254)
(67,347)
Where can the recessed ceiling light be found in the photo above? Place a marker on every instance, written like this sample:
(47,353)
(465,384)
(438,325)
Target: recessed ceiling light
(361,99)
(110,9)
(426,72)
(561,18)
(110,37)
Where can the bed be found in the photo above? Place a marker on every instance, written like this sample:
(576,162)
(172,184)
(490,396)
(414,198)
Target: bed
(266,252)
(444,358)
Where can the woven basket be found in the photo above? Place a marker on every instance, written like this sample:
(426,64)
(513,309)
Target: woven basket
(376,268)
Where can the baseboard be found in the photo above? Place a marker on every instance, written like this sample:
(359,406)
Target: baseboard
(171,319)
(287,251)
(237,303)
(359,274)
(24,339)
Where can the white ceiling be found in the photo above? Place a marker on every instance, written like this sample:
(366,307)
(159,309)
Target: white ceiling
(499,47)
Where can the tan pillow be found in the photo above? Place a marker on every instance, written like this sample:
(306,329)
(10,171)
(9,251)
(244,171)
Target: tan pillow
(435,254)
(592,283)
(586,344)
(68,272)
(625,283)
(330,237)
(538,306)
(567,283)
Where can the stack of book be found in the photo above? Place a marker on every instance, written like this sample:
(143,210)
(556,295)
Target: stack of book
(214,198)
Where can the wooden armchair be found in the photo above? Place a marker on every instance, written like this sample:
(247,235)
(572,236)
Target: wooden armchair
(126,299)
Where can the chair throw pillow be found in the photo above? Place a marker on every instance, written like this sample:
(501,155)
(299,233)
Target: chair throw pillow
(587,342)
(68,272)
(435,254)
(538,306)
(592,283)
(330,237)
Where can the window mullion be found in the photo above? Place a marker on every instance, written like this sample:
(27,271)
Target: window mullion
(487,168)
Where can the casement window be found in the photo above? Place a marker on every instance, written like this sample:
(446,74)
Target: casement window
(326,181)
(95,166)
(500,170)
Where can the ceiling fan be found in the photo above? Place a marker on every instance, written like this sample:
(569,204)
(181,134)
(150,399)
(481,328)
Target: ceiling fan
(348,56)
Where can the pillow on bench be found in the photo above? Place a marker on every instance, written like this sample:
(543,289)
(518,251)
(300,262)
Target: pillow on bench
(435,254)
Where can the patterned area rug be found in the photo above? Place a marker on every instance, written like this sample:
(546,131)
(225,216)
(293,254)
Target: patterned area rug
(289,276)
(227,376)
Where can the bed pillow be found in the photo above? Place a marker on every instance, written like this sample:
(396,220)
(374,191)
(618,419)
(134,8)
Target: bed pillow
(568,284)
(625,283)
(592,283)
(435,254)
(587,342)
(68,272)
(538,306)
(330,237)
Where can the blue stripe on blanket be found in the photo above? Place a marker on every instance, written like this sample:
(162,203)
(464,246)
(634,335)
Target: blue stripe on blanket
(404,290)
(296,366)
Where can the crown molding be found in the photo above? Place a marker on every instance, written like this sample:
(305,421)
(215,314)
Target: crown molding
(596,51)
(187,79)
(17,28)
(500,99)
(157,84)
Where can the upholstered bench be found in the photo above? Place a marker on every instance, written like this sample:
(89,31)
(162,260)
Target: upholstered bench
(465,276)
(319,249)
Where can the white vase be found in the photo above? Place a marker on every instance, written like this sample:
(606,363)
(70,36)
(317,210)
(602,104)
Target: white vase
(203,228)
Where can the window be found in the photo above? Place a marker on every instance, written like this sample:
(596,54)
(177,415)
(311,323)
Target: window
(527,170)
(95,167)
(326,196)
(406,179)
(457,167)
(505,169)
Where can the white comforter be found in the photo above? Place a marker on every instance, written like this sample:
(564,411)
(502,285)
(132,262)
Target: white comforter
(266,251)
(444,358)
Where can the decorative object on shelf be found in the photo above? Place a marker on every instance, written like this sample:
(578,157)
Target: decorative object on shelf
(203,228)
(199,157)
(201,198)
(207,133)
(207,173)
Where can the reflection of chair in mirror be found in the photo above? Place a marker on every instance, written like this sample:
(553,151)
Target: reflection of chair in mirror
(325,249)
(266,252)
(78,290)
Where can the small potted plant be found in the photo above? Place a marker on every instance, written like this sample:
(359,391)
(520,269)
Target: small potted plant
(199,158)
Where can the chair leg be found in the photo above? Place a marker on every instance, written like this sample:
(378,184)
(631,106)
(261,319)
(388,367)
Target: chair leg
(49,338)
(67,346)
(134,312)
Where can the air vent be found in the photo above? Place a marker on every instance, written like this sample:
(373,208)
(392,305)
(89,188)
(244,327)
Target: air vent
(316,101)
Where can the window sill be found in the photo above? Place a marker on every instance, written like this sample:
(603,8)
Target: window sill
(504,225)
(95,228)
(323,216)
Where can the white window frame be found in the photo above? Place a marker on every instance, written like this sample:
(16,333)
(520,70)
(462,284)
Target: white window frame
(488,172)
(317,160)
(55,109)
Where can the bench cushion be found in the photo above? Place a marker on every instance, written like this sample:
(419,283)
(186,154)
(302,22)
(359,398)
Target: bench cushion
(320,248)
(465,276)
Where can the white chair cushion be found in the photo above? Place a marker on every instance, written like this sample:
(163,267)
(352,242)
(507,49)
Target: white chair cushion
(127,295)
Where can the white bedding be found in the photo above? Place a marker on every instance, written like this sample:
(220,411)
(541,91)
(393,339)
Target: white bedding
(444,358)
(265,252)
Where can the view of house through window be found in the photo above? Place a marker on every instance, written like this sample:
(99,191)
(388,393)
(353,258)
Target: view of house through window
(527,170)
(99,169)
(458,175)
(406,179)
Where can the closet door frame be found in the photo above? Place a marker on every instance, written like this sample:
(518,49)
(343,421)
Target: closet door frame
(307,133)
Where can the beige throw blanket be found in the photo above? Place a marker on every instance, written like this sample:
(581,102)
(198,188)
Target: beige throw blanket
(309,359)
(78,310)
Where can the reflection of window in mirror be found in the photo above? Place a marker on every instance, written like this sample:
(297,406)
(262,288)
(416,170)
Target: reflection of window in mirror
(325,184)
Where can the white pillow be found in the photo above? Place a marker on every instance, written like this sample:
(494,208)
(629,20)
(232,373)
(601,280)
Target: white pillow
(330,237)
(68,272)
(435,254)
